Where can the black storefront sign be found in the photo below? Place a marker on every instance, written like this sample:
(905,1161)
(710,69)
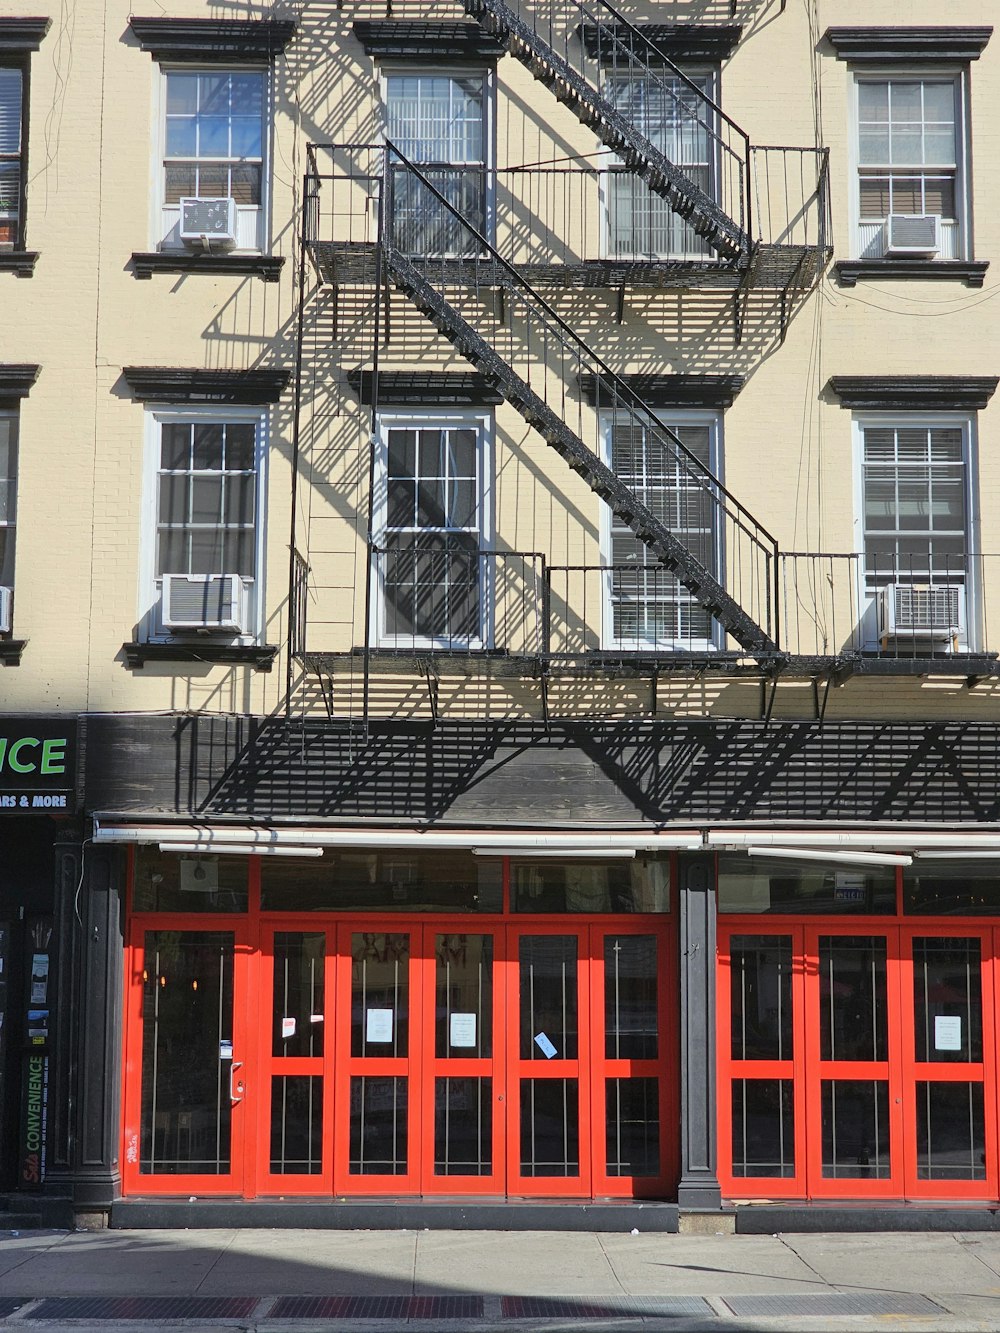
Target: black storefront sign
(35,1040)
(38,758)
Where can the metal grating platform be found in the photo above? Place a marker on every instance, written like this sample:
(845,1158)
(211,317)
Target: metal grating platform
(135,1308)
(602,1307)
(377,1307)
(831,1304)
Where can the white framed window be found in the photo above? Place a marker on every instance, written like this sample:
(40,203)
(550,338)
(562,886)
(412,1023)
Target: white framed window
(911,163)
(639,223)
(12,175)
(432,531)
(203,544)
(915,508)
(8,513)
(645,607)
(442,122)
(213,145)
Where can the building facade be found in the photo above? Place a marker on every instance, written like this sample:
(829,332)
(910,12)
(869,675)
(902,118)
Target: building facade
(501,683)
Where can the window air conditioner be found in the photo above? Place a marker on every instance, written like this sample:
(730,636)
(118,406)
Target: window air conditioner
(208,222)
(203,602)
(6,609)
(910,612)
(912,234)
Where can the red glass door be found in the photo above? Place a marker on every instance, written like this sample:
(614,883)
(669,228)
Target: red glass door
(190,1077)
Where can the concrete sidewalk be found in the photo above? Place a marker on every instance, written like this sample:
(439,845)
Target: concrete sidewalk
(260,1280)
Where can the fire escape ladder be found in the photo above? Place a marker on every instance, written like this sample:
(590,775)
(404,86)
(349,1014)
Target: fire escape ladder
(605,38)
(555,357)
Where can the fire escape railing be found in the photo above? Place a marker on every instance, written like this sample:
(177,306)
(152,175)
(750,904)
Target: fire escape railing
(659,122)
(733,574)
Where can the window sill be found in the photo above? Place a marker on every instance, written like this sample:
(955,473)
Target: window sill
(258,656)
(11,650)
(970,271)
(267,267)
(21,262)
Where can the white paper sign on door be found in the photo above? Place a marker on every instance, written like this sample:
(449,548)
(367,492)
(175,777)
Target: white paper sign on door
(287,1028)
(378,1026)
(545,1046)
(947,1033)
(463,1030)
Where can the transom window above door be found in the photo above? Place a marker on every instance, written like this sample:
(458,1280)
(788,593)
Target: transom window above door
(438,121)
(910,167)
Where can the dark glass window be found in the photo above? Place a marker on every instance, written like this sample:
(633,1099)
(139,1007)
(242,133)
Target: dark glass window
(952,888)
(12,85)
(382,881)
(166,882)
(751,884)
(642,885)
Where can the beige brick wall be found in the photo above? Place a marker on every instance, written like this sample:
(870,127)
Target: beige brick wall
(84,315)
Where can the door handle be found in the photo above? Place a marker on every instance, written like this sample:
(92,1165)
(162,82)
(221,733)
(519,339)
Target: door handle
(236,1088)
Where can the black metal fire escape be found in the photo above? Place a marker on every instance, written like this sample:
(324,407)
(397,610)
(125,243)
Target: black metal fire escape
(594,36)
(556,350)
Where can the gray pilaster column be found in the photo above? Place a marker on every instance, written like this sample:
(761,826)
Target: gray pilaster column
(85,1065)
(699,1182)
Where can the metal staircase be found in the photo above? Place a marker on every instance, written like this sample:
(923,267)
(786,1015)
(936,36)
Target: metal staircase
(581,51)
(556,361)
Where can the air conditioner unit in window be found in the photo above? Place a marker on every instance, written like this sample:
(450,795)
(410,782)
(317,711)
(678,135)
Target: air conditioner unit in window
(208,223)
(935,613)
(212,602)
(6,609)
(912,234)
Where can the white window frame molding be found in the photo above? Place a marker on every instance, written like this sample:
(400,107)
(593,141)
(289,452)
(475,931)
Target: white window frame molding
(713,418)
(959,75)
(12,414)
(453,69)
(483,422)
(157,193)
(866,598)
(150,627)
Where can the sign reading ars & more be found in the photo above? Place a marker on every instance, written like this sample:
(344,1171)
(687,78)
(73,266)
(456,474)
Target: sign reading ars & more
(37,765)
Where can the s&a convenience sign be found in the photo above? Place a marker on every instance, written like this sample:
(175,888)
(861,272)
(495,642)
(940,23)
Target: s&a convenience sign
(37,765)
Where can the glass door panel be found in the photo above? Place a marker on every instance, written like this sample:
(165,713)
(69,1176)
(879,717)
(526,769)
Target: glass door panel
(184,1114)
(630,1062)
(949,1152)
(293,1144)
(852,1089)
(760,996)
(464,1088)
(548,1136)
(376,1138)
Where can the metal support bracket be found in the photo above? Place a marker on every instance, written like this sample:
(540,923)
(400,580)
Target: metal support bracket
(430,675)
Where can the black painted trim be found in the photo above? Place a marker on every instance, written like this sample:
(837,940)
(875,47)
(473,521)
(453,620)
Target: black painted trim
(673,390)
(435,41)
(167,385)
(970,271)
(17,380)
(879,45)
(260,657)
(913,393)
(11,650)
(268,267)
(441,387)
(18,35)
(756,1219)
(467,1214)
(674,41)
(21,262)
(218,40)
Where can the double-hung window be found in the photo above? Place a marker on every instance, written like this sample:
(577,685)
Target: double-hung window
(8,513)
(439,122)
(646,607)
(915,513)
(673,116)
(12,85)
(213,147)
(432,532)
(911,166)
(205,562)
